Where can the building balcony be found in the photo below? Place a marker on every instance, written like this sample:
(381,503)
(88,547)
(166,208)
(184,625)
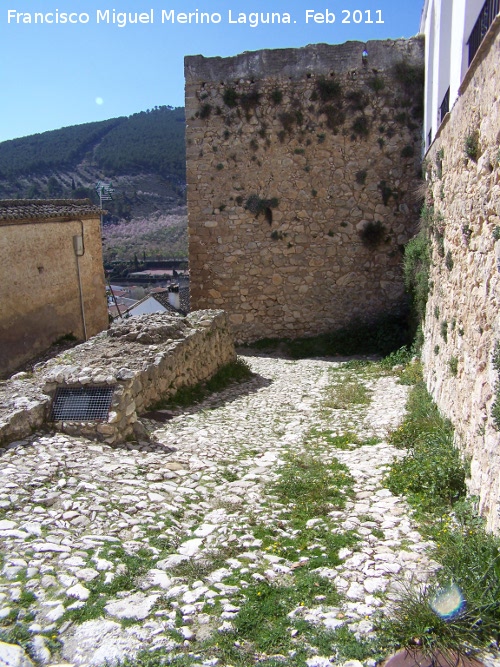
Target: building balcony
(485,19)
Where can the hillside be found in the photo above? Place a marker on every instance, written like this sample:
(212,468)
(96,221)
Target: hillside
(143,155)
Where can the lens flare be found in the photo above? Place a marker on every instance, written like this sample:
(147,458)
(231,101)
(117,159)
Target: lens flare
(99,101)
(448,602)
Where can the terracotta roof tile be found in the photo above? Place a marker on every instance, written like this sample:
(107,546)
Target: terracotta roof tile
(43,209)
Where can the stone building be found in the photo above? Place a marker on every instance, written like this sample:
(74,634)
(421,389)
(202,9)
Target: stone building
(462,324)
(302,166)
(51,276)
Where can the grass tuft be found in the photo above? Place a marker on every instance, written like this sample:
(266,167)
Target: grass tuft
(350,392)
(432,477)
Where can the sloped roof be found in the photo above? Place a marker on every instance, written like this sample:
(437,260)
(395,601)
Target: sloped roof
(162,298)
(23,210)
(185,299)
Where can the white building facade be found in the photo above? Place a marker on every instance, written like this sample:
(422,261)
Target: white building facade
(453,32)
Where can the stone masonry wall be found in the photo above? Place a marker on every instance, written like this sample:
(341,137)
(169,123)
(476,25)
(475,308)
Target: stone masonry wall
(462,324)
(301,168)
(145,359)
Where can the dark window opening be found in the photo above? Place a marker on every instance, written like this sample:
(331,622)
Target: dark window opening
(445,106)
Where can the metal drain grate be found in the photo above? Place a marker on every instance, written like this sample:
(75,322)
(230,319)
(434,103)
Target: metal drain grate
(82,404)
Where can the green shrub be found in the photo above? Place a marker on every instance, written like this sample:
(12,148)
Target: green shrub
(495,410)
(328,89)
(472,146)
(372,234)
(386,192)
(357,100)
(335,116)
(205,111)
(432,474)
(376,83)
(453,366)
(361,176)
(257,205)
(230,97)
(410,77)
(249,100)
(432,477)
(360,126)
(276,96)
(408,151)
(288,119)
(449,260)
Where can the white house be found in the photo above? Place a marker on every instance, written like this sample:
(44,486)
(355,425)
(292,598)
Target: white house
(454,30)
(174,300)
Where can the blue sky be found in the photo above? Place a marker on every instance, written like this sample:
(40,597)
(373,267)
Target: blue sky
(64,74)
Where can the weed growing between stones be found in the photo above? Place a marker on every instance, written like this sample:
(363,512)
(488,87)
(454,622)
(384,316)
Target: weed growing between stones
(344,441)
(361,176)
(471,146)
(449,260)
(346,394)
(328,89)
(14,628)
(432,477)
(453,366)
(310,488)
(191,569)
(495,410)
(372,234)
(133,567)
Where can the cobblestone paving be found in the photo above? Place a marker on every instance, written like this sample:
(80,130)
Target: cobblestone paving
(108,551)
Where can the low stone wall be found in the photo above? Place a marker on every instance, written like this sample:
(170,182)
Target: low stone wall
(462,325)
(145,359)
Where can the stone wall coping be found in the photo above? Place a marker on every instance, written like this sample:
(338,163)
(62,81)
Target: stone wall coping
(21,211)
(318,59)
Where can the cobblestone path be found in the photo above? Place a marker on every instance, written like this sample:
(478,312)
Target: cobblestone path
(110,551)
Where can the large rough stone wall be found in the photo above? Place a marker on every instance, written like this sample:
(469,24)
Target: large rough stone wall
(40,279)
(462,324)
(301,169)
(146,359)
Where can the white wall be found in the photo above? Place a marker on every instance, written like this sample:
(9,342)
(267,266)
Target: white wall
(447,25)
(147,307)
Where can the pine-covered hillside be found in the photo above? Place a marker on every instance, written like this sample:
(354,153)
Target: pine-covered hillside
(143,155)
